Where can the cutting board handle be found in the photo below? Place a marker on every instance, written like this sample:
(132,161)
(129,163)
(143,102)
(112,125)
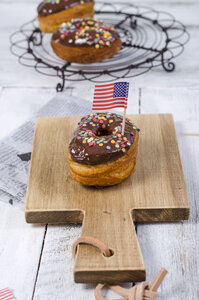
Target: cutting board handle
(117,231)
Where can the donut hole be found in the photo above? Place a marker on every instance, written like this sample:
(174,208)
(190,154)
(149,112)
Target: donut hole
(103,132)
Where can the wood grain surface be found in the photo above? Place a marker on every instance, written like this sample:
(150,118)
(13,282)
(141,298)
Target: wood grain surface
(155,192)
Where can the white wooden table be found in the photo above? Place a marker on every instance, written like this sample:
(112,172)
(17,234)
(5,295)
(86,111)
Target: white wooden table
(35,261)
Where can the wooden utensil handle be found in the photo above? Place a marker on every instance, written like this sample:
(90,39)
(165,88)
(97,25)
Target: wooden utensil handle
(117,231)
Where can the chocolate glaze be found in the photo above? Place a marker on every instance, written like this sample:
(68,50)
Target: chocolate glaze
(85,33)
(49,7)
(98,138)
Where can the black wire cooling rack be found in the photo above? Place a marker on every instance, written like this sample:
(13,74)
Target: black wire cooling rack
(150,39)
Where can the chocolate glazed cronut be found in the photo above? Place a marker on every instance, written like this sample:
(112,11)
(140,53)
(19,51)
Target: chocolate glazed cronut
(52,13)
(85,41)
(98,153)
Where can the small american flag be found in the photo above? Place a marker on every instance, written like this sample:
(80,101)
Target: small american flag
(108,96)
(6,294)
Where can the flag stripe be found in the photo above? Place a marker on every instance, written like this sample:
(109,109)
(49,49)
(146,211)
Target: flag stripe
(4,293)
(111,96)
(100,90)
(110,100)
(104,85)
(106,93)
(6,289)
(105,105)
(6,297)
(110,107)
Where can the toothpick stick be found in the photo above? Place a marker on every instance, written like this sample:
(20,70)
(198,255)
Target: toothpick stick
(123,123)
(157,280)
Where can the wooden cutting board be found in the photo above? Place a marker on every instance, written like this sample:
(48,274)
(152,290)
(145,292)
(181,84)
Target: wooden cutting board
(156,192)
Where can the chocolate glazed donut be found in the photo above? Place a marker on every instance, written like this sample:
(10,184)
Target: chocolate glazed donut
(98,153)
(52,13)
(85,41)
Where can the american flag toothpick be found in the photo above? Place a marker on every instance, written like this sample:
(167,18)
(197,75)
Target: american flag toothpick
(112,95)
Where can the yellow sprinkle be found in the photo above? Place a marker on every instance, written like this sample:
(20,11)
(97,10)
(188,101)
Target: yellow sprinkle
(106,34)
(100,144)
(117,146)
(87,34)
(124,138)
(119,135)
(84,142)
(112,141)
(97,34)
(123,150)
(76,36)
(96,46)
(103,118)
(110,121)
(93,125)
(90,22)
(134,127)
(95,139)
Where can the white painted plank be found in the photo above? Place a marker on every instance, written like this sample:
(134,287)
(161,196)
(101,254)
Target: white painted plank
(55,280)
(182,103)
(175,246)
(20,247)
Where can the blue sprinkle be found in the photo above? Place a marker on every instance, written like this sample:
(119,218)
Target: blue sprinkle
(108,116)
(91,123)
(108,147)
